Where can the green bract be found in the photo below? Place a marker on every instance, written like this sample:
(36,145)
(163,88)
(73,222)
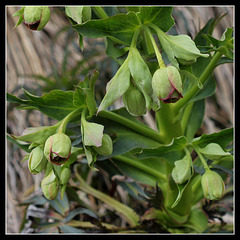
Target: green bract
(57,148)
(106,148)
(181,47)
(167,84)
(37,160)
(182,170)
(212,185)
(36,18)
(50,186)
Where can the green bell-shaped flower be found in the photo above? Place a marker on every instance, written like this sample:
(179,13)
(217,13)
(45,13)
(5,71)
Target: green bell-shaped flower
(36,17)
(167,84)
(106,148)
(212,185)
(134,101)
(50,186)
(57,148)
(37,160)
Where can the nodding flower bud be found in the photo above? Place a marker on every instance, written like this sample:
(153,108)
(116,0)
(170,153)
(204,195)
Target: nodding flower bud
(50,186)
(57,148)
(37,160)
(106,148)
(167,84)
(65,175)
(212,185)
(35,18)
(134,101)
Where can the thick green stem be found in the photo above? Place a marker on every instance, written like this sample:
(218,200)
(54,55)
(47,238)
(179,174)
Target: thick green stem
(169,127)
(202,79)
(99,11)
(141,166)
(137,127)
(186,115)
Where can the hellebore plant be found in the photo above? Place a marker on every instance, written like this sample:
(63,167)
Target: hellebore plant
(181,164)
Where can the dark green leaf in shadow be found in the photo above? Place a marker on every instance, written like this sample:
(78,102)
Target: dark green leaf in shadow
(223,138)
(160,16)
(78,211)
(126,139)
(171,152)
(70,229)
(60,205)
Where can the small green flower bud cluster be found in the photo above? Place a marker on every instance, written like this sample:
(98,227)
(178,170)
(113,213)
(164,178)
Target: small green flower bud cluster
(56,150)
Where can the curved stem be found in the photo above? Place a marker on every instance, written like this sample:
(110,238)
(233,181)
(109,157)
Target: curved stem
(64,122)
(202,79)
(137,127)
(141,166)
(157,52)
(196,148)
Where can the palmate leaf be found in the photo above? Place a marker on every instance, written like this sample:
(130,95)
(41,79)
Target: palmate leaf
(225,44)
(56,104)
(160,16)
(121,27)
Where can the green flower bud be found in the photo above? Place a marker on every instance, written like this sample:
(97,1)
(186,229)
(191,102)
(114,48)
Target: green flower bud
(65,175)
(134,101)
(167,84)
(50,186)
(37,160)
(212,185)
(57,148)
(106,148)
(35,18)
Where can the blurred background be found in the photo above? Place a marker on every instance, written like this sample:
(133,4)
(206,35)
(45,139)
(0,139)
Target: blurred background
(51,58)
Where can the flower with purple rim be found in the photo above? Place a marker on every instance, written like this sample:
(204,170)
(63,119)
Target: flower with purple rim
(57,148)
(167,84)
(35,17)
